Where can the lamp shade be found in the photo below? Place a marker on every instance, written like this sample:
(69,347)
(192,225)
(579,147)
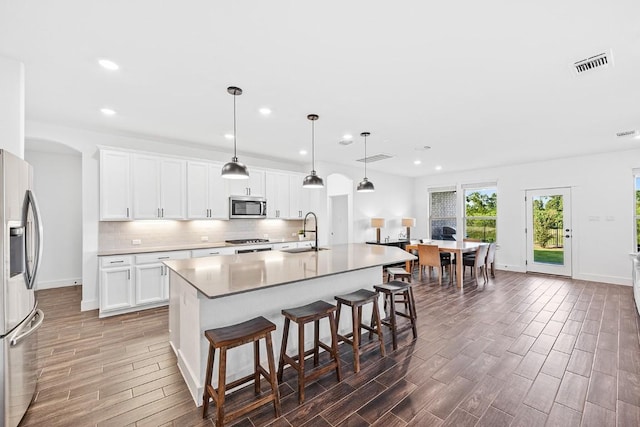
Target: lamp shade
(408,222)
(377,222)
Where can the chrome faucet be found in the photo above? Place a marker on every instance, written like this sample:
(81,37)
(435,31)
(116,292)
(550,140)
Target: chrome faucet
(304,227)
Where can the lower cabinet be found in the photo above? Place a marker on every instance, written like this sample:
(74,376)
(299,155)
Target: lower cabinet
(130,283)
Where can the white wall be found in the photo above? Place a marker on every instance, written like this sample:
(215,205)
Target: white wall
(601,187)
(12,106)
(57,185)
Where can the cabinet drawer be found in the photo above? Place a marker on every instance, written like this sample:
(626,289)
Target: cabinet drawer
(115,261)
(199,253)
(161,256)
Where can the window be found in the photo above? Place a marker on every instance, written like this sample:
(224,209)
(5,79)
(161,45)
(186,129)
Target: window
(442,214)
(480,212)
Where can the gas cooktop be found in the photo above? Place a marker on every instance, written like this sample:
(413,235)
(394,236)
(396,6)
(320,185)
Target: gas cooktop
(243,241)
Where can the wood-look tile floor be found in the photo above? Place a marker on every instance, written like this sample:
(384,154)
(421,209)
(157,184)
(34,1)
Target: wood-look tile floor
(524,350)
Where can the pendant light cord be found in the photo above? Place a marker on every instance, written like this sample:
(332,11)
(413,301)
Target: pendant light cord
(235,156)
(365,157)
(313,145)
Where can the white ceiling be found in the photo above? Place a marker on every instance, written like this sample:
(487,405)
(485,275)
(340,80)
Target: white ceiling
(483,83)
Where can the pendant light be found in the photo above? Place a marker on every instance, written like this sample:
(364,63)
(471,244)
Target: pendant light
(312,180)
(365,186)
(234,169)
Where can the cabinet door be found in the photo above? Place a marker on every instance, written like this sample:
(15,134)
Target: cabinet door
(197,190)
(146,187)
(115,186)
(277,195)
(115,289)
(238,187)
(296,209)
(150,284)
(218,199)
(172,189)
(257,183)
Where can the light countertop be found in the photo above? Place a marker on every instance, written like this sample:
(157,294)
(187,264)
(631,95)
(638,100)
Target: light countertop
(223,275)
(186,247)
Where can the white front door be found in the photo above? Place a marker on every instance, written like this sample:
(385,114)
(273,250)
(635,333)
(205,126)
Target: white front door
(548,231)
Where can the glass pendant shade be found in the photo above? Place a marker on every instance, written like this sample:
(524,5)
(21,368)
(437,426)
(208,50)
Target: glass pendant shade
(365,186)
(312,180)
(234,169)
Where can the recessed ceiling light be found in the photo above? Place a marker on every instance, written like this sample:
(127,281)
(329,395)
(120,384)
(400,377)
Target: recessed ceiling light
(228,135)
(347,136)
(416,162)
(438,168)
(303,152)
(107,111)
(265,111)
(108,64)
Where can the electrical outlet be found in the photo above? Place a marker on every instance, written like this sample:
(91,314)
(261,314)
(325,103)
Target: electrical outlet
(204,238)
(136,241)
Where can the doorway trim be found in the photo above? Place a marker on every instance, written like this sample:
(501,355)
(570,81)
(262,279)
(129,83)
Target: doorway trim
(339,185)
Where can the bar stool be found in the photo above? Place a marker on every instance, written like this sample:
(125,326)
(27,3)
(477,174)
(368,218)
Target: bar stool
(395,272)
(229,337)
(390,290)
(356,300)
(302,315)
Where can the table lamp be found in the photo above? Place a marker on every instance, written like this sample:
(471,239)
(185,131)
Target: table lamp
(408,222)
(377,223)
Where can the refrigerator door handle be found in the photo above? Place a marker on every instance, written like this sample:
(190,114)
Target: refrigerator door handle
(40,318)
(31,201)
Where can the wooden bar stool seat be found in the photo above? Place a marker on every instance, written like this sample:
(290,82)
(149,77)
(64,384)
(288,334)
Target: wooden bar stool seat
(390,291)
(394,273)
(229,337)
(356,300)
(302,315)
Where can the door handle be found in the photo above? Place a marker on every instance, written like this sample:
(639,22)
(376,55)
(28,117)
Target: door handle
(40,318)
(30,200)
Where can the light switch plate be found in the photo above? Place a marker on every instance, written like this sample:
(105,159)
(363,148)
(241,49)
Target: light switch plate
(136,241)
(204,238)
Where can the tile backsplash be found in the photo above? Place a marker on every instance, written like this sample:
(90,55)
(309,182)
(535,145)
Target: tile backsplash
(119,235)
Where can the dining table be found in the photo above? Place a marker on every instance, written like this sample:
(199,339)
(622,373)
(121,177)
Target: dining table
(450,246)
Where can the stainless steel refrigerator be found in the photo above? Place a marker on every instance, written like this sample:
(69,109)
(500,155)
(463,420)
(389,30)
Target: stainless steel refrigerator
(20,253)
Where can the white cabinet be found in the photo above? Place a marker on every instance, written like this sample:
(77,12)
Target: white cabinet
(116,284)
(129,283)
(115,186)
(288,245)
(302,200)
(277,194)
(254,186)
(206,193)
(158,187)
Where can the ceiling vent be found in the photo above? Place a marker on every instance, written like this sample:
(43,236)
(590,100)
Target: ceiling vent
(345,142)
(602,60)
(626,133)
(375,158)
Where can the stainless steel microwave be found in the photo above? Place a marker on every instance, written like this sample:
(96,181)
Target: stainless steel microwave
(247,207)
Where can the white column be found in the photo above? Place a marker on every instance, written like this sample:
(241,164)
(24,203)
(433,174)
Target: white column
(12,106)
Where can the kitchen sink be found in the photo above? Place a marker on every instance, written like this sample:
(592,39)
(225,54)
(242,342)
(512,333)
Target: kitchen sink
(300,250)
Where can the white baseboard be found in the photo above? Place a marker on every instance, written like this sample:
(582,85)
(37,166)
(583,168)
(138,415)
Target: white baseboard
(192,381)
(89,305)
(50,284)
(614,280)
(514,268)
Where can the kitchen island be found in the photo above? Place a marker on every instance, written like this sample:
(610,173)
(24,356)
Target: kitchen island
(222,290)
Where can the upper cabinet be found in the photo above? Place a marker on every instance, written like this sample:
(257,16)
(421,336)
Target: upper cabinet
(115,186)
(277,195)
(301,200)
(159,187)
(206,192)
(254,186)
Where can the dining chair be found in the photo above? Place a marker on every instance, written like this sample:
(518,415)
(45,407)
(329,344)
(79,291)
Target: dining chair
(429,256)
(490,261)
(480,262)
(444,256)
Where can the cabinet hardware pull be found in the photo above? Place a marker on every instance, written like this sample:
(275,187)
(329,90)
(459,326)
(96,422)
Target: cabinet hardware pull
(158,212)
(164,257)
(116,262)
(162,212)
(128,274)
(127,212)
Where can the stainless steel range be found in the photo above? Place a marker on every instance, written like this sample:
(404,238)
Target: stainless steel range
(245,241)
